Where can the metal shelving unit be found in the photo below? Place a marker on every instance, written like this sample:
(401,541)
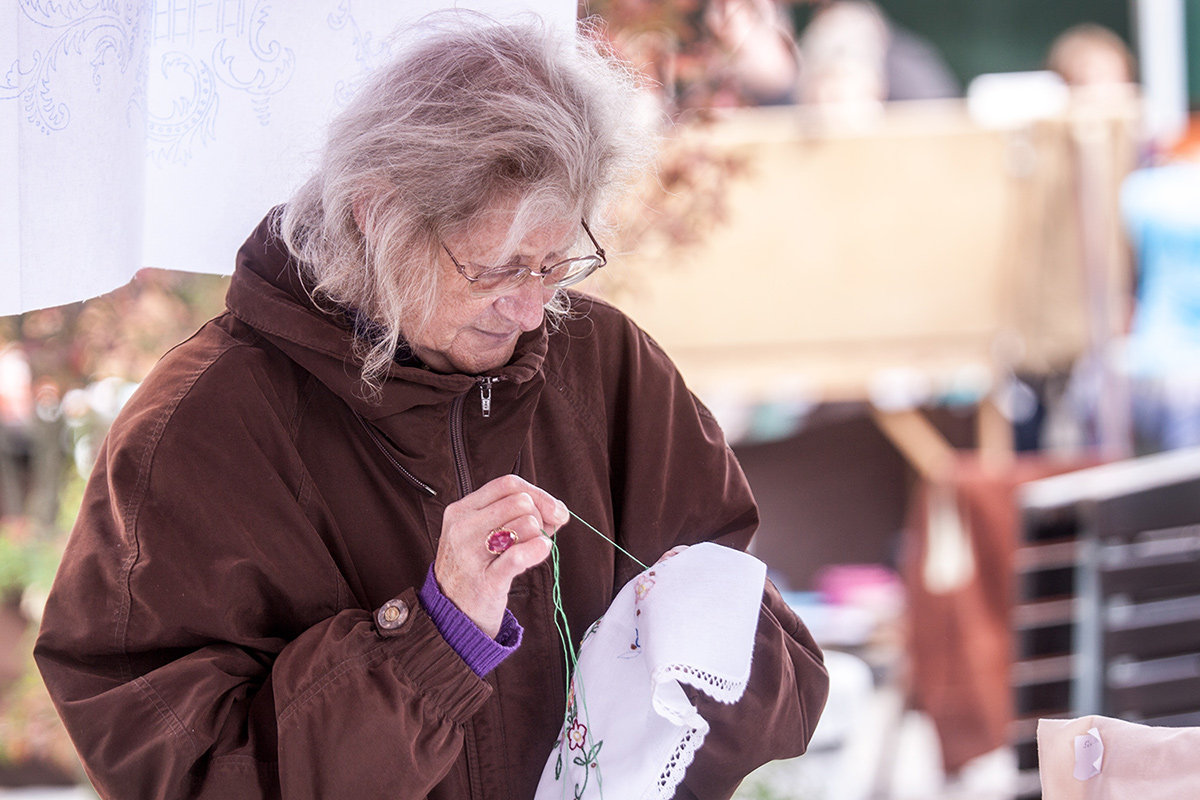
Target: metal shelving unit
(1107,619)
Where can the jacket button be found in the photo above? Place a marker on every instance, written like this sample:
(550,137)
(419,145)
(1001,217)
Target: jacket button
(391,615)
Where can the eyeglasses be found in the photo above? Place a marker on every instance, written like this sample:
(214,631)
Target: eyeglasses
(492,280)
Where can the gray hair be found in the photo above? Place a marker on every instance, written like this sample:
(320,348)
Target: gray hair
(472,117)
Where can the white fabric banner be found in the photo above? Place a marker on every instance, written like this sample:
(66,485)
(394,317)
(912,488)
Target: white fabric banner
(158,134)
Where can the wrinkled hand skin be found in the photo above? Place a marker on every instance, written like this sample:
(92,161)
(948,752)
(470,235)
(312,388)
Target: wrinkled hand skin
(474,579)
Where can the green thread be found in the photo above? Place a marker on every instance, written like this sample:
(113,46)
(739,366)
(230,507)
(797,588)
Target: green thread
(571,658)
(605,538)
(560,615)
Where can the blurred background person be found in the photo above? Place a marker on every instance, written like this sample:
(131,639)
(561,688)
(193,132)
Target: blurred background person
(759,43)
(853,53)
(1094,61)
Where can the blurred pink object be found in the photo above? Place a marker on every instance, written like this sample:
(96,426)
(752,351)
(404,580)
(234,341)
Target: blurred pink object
(869,585)
(16,393)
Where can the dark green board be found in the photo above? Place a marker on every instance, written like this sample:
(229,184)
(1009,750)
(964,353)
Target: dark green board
(977,36)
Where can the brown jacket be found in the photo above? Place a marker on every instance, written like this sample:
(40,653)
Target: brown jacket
(210,632)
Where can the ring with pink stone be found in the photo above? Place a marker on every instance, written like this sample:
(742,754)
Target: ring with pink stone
(500,539)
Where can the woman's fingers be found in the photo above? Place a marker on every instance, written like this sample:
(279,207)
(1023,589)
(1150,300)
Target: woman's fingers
(494,515)
(551,510)
(478,558)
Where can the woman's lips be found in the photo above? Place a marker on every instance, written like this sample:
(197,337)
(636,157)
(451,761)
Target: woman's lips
(498,338)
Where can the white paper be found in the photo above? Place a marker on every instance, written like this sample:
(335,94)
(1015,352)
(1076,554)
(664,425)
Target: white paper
(1089,753)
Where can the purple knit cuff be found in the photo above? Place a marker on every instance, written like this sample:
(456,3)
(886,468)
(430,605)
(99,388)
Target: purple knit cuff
(481,652)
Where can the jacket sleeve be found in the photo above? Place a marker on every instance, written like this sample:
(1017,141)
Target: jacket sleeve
(776,716)
(199,640)
(683,484)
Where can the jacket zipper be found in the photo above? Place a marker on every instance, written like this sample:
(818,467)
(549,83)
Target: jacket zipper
(429,490)
(458,444)
(485,395)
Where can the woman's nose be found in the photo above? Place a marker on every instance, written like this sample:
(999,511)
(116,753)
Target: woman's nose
(525,304)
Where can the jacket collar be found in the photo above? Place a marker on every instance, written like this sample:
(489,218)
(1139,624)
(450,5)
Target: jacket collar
(267,293)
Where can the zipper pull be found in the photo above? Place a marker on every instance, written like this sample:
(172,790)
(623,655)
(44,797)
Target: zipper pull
(485,395)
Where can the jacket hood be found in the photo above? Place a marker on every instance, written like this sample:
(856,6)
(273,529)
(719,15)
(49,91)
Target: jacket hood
(267,293)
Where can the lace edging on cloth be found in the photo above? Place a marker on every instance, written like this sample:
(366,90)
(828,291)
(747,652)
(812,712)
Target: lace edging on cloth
(719,687)
(681,759)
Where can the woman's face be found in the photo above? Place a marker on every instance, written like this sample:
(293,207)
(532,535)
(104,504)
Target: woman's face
(471,334)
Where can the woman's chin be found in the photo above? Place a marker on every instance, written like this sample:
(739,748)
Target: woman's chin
(483,360)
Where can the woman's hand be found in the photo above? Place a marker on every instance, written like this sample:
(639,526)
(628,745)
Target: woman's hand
(477,580)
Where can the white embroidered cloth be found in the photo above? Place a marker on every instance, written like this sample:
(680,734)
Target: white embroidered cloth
(630,731)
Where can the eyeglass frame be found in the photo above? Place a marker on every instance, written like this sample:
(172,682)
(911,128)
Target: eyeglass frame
(529,273)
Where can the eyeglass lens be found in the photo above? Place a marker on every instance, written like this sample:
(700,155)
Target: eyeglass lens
(564,273)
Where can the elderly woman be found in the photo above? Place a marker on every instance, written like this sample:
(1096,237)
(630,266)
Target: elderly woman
(311,561)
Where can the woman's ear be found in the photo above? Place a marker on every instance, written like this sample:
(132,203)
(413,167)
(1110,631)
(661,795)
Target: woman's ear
(370,203)
(362,214)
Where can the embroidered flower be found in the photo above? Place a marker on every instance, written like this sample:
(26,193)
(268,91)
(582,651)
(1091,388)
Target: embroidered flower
(674,551)
(644,585)
(577,735)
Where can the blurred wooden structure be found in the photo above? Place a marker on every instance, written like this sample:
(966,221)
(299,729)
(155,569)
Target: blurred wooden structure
(923,252)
